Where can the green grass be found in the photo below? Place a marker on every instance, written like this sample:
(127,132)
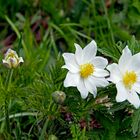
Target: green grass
(43,30)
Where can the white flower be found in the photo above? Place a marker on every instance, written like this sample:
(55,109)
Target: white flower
(126,76)
(11,59)
(86,71)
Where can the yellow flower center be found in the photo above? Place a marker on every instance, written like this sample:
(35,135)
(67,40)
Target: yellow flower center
(129,79)
(86,70)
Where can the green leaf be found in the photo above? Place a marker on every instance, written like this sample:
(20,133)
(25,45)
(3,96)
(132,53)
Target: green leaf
(136,121)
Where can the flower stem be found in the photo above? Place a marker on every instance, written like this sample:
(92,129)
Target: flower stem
(7,99)
(9,78)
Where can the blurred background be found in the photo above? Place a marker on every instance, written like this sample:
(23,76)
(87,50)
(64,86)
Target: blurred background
(58,24)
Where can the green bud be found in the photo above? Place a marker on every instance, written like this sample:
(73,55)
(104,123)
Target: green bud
(59,97)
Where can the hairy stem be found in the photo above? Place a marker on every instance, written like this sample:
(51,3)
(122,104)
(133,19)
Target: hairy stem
(7,99)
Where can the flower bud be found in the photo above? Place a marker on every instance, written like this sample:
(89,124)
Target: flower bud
(11,59)
(59,97)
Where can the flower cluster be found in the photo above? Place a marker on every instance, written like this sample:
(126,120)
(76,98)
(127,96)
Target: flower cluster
(87,72)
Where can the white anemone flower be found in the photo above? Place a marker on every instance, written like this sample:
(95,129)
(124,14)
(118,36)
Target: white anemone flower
(86,70)
(11,59)
(126,76)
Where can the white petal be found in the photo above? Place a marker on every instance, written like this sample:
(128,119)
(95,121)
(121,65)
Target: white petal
(78,54)
(99,82)
(115,73)
(135,63)
(70,68)
(100,73)
(71,79)
(136,87)
(125,58)
(6,63)
(121,92)
(133,98)
(90,85)
(70,62)
(100,62)
(21,60)
(138,78)
(9,52)
(89,52)
(82,89)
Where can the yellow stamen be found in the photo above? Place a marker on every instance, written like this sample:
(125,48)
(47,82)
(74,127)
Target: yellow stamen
(86,70)
(129,79)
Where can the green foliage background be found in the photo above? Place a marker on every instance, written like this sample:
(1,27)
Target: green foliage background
(58,25)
